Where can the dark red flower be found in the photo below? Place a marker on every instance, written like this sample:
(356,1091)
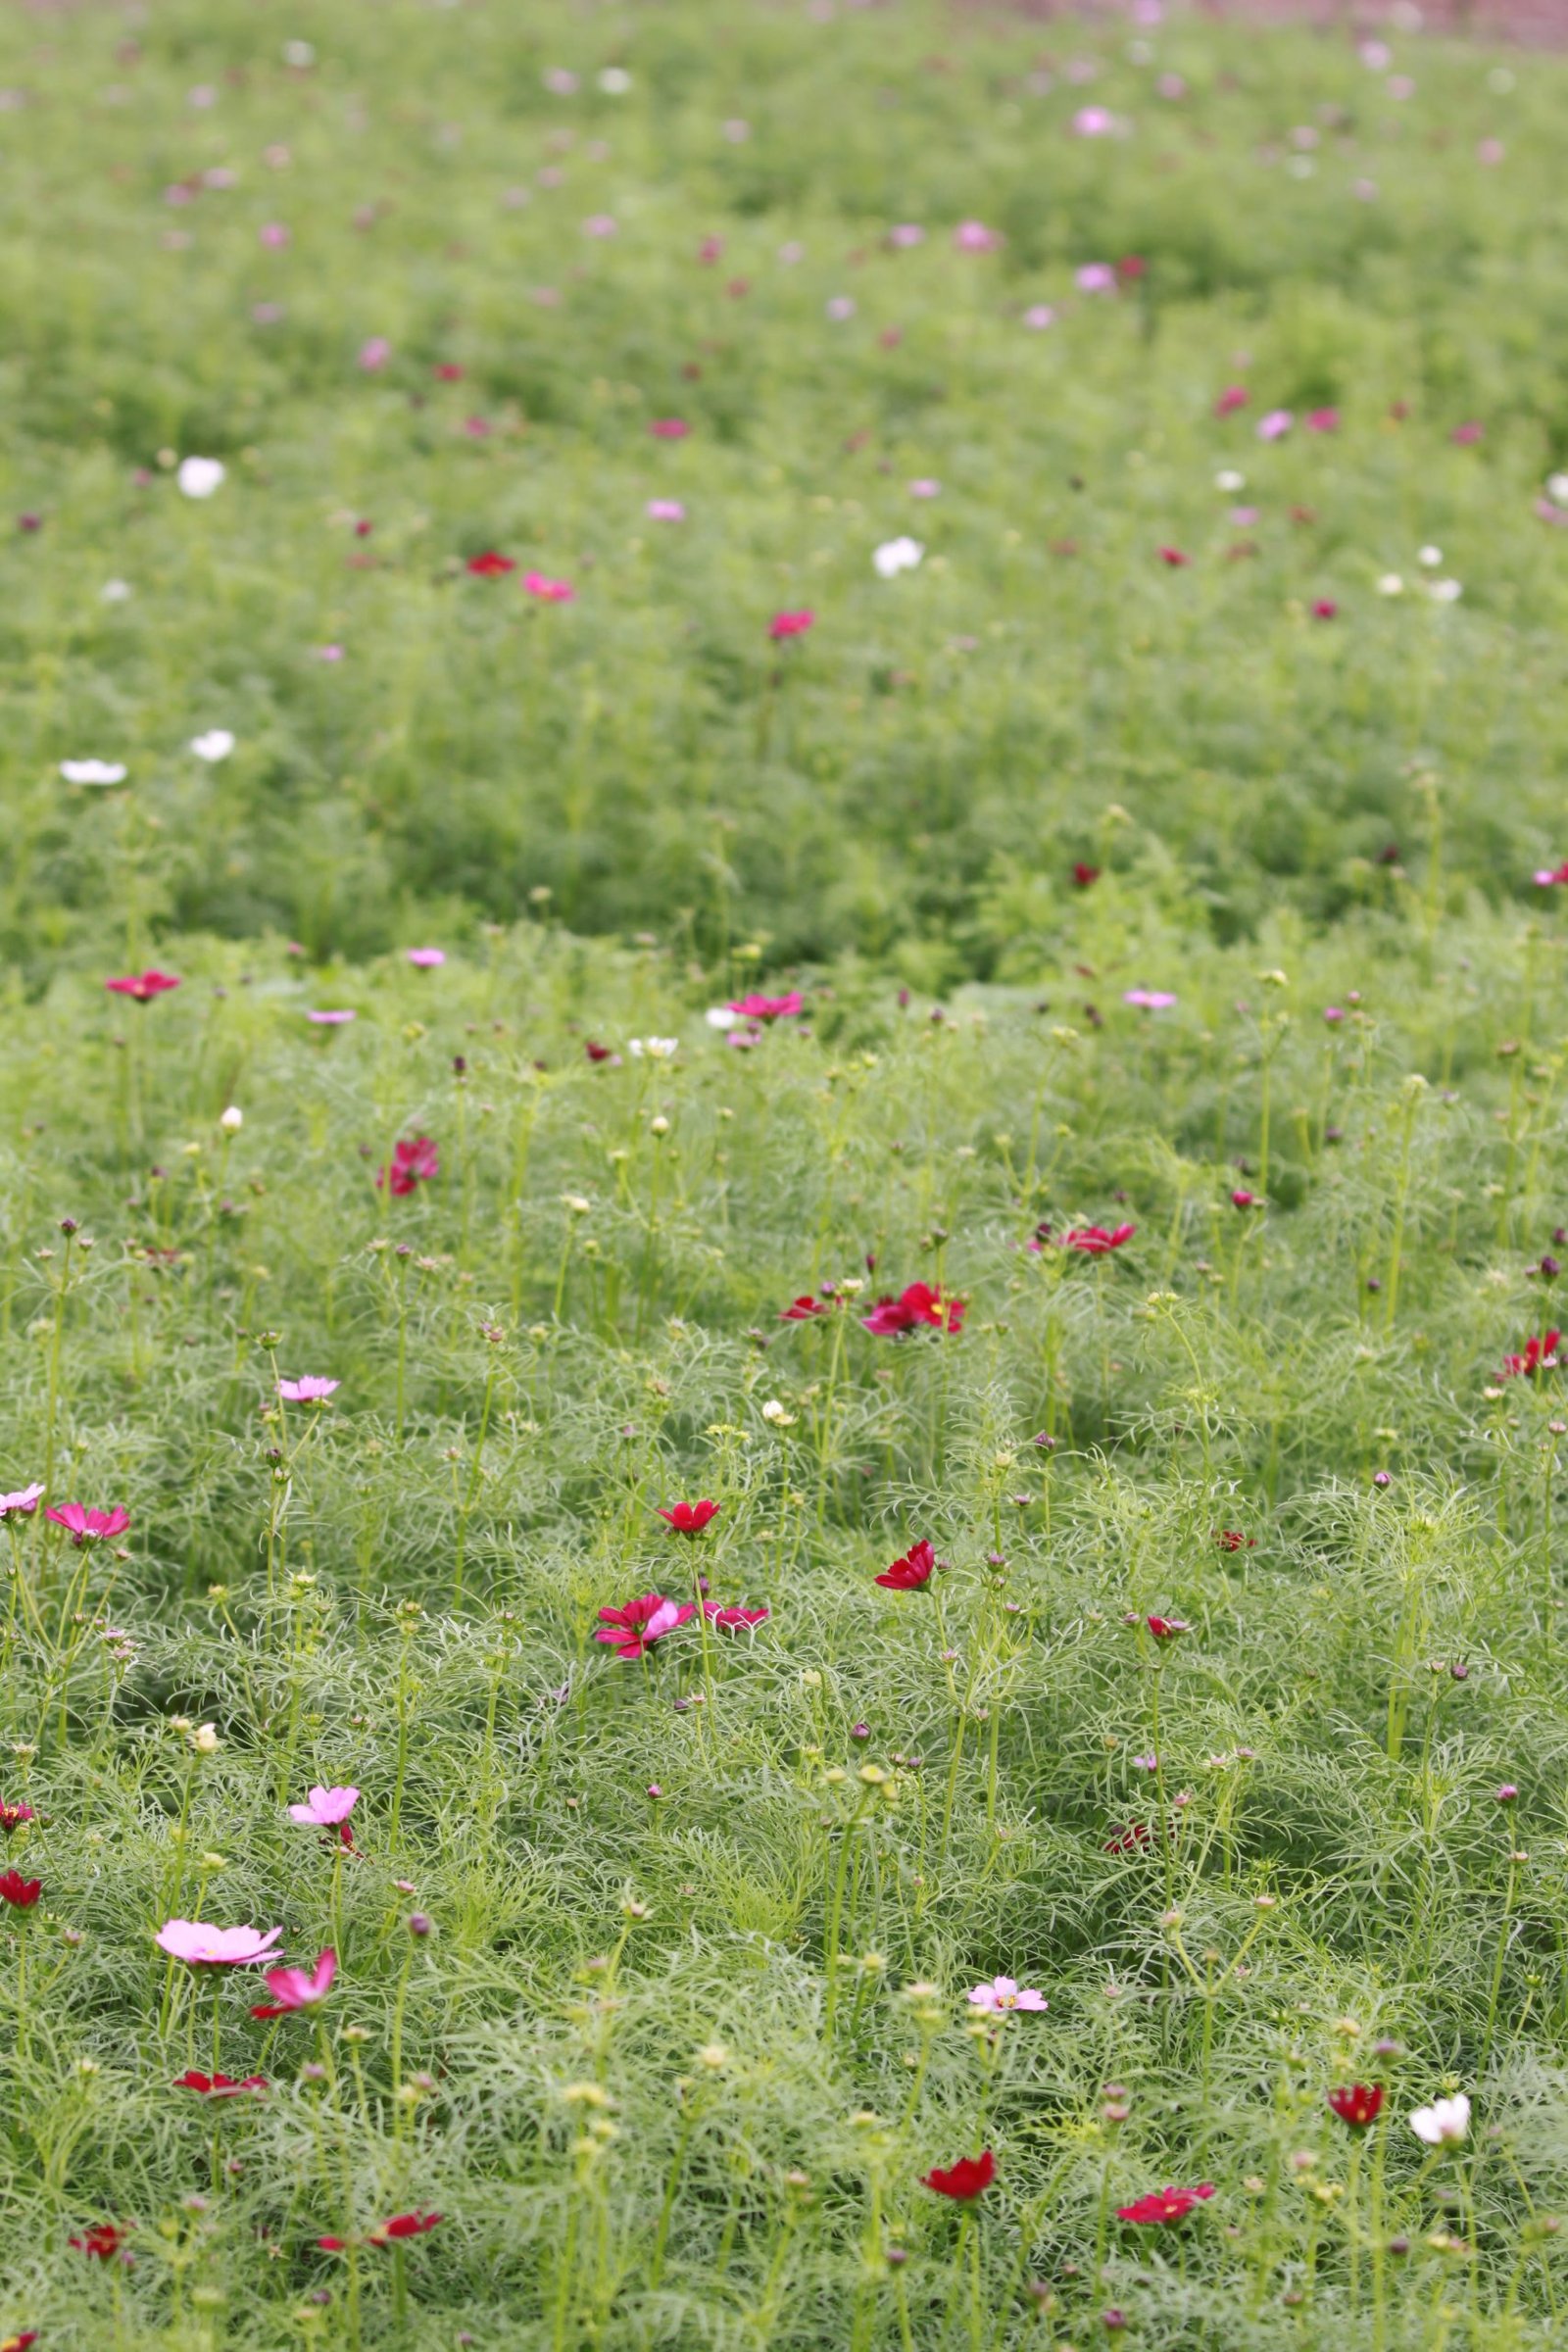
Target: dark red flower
(1130,1840)
(1324,609)
(1165,2205)
(914,1307)
(1094,1239)
(1167,1629)
(598,1052)
(385,2234)
(968,2178)
(11,1816)
(1174,557)
(490,566)
(1358,2105)
(1231,1539)
(413,1164)
(20,1892)
(1083,875)
(1540,1355)
(908,1574)
(142,986)
(218,2086)
(805,1309)
(20,2343)
(1132,266)
(449,372)
(103,2241)
(690,1518)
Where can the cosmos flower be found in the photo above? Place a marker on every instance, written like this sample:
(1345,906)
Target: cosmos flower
(103,2241)
(1165,2205)
(805,1309)
(215,745)
(1540,1355)
(732,1619)
(142,987)
(690,1518)
(1358,2105)
(1095,277)
(665,509)
(413,1163)
(1275,426)
(202,1947)
(895,555)
(326,1808)
(21,1503)
(1444,2124)
(1148,1000)
(385,2234)
(633,1629)
(912,1571)
(16,1893)
(915,1307)
(973,236)
(218,2086)
(490,566)
(964,2181)
(85,1526)
(791,624)
(199,478)
(1094,1239)
(766,1008)
(292,1988)
(652,1048)
(548,591)
(333,1019)
(308,1389)
(1003,1994)
(93,771)
(425,959)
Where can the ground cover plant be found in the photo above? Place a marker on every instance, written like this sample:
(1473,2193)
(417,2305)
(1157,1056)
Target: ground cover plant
(782,1192)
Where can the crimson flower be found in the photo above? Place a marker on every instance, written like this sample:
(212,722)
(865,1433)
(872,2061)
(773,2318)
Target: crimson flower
(964,2181)
(1234,396)
(733,1620)
(292,1988)
(1130,1840)
(1540,1355)
(1358,2105)
(920,1304)
(449,372)
(413,1164)
(790,624)
(1094,1239)
(20,1892)
(690,1518)
(1166,1628)
(1324,609)
(102,2242)
(768,1008)
(1083,875)
(633,1629)
(491,566)
(1174,557)
(908,1574)
(11,1816)
(20,2343)
(1165,2205)
(142,986)
(386,2233)
(1242,1199)
(88,1527)
(218,2086)
(806,1309)
(598,1052)
(1231,1539)
(669,428)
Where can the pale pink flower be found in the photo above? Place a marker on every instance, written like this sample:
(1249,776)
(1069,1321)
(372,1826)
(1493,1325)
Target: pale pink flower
(666,510)
(973,236)
(600,224)
(907,234)
(325,1808)
(201,1947)
(1095,278)
(375,354)
(1039,316)
(1275,426)
(274,234)
(926,488)
(425,959)
(310,1390)
(1002,1992)
(21,1504)
(1093,123)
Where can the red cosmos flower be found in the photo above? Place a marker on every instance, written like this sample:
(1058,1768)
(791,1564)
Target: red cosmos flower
(598,1052)
(142,986)
(20,2343)
(733,1620)
(385,2234)
(908,1574)
(1358,2105)
(11,1816)
(449,372)
(891,1319)
(490,566)
(218,2086)
(768,1009)
(1167,1629)
(20,1892)
(633,1629)
(791,624)
(103,2241)
(690,1518)
(292,1988)
(1084,875)
(413,1164)
(1094,1241)
(1243,1199)
(1165,2205)
(1234,397)
(669,428)
(964,2181)
(806,1309)
(1324,609)
(1174,557)
(1231,1539)
(1130,1840)
(1540,1355)
(88,1527)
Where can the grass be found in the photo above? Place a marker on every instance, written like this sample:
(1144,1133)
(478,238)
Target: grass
(652,1973)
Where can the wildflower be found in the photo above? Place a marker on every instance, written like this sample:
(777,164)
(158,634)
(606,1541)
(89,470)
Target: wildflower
(375,354)
(218,2086)
(88,1527)
(791,624)
(633,1629)
(201,1947)
(413,1164)
(1037,317)
(21,1504)
(964,2181)
(1358,2105)
(1466,434)
(1506,1794)
(805,1309)
(1130,1841)
(895,555)
(491,566)
(652,1048)
(386,2233)
(292,1988)
(103,2241)
(669,428)
(906,234)
(425,959)
(1004,1992)
(18,1893)
(1174,557)
(1444,2124)
(1540,1355)
(766,1008)
(1084,876)
(93,771)
(1275,426)
(1167,1629)
(1148,1000)
(548,591)
(1322,421)
(913,1570)
(1234,397)
(1325,608)
(1231,1539)
(1094,1239)
(215,745)
(199,478)
(142,987)
(1093,123)
(1165,2205)
(1446,592)
(690,1518)
(309,1389)
(12,1817)
(326,1809)
(914,1307)
(1390,583)
(331,1019)
(665,509)
(733,1620)
(20,2343)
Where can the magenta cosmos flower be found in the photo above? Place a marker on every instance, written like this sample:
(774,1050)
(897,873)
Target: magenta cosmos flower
(768,1008)
(690,1518)
(791,624)
(732,1619)
(1004,1992)
(292,1988)
(669,428)
(21,1504)
(88,1527)
(201,1947)
(973,236)
(412,1163)
(548,591)
(311,1390)
(665,509)
(425,959)
(914,1308)
(633,1629)
(142,987)
(326,1808)
(1148,1000)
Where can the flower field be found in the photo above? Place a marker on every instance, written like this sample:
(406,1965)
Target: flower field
(783,1195)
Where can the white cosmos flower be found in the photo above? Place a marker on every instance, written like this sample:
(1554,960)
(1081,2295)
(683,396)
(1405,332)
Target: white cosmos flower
(215,743)
(1557,489)
(115,592)
(655,1048)
(1431,556)
(778,1414)
(897,555)
(1446,592)
(1445,2122)
(199,478)
(614,81)
(719,1016)
(1390,584)
(1230,479)
(93,771)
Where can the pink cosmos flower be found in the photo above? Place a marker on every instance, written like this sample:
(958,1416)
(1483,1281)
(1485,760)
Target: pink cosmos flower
(669,428)
(791,624)
(310,1389)
(1039,316)
(1546,877)
(329,653)
(905,236)
(633,1629)
(1148,1000)
(425,959)
(768,1008)
(1234,396)
(665,509)
(142,987)
(1002,1992)
(291,1989)
(275,235)
(733,1620)
(375,354)
(973,236)
(1324,609)
(917,1306)
(1093,123)
(326,1808)
(333,1019)
(1275,426)
(1095,278)
(1094,1239)
(413,1164)
(201,1947)
(21,1504)
(600,224)
(1466,434)
(548,591)
(1322,421)
(925,487)
(88,1527)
